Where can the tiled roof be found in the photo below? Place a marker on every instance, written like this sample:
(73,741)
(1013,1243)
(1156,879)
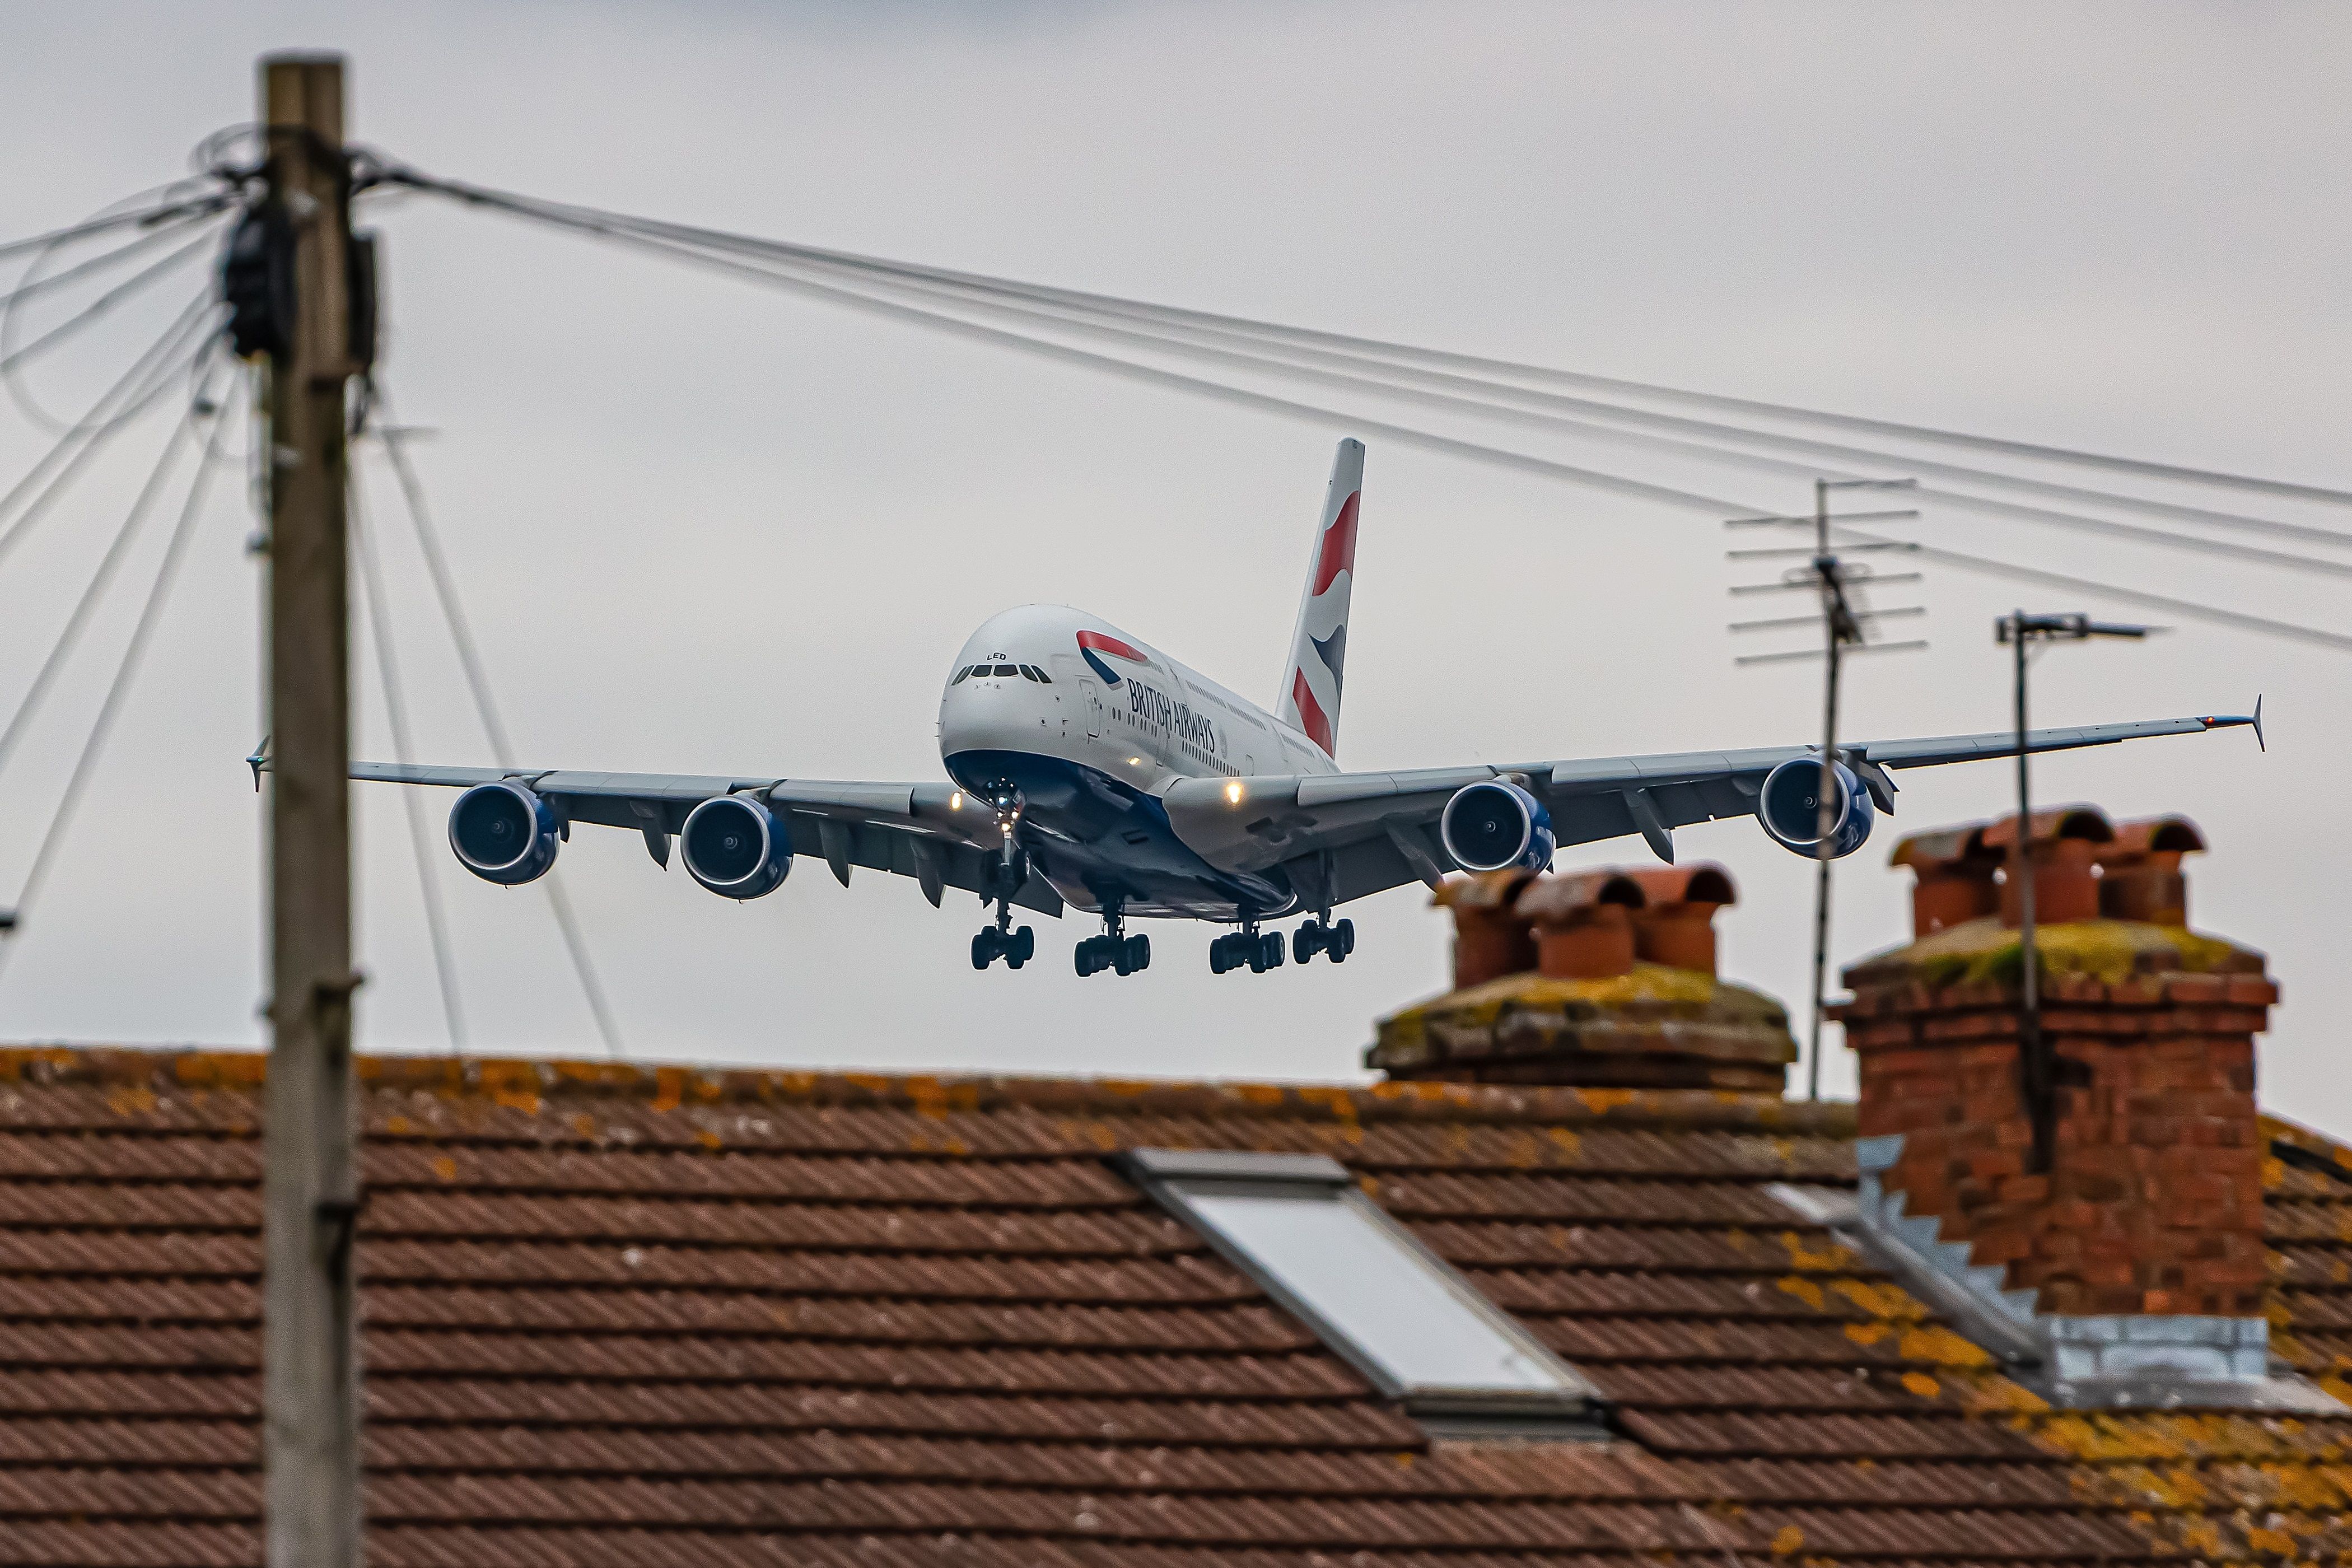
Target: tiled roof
(616,1317)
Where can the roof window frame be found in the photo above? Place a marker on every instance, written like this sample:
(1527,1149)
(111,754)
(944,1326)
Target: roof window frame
(1173,1177)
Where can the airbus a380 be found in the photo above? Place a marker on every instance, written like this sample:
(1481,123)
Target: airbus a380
(1088,770)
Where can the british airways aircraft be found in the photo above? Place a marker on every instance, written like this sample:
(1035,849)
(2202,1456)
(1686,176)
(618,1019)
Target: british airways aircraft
(1090,771)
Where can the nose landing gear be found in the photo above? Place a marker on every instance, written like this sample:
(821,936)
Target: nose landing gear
(1005,878)
(1114,950)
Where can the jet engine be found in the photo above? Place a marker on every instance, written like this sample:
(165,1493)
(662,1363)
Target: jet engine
(1492,825)
(734,845)
(504,833)
(1791,808)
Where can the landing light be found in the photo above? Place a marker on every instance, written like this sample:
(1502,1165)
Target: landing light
(1234,792)
(1135,761)
(955,801)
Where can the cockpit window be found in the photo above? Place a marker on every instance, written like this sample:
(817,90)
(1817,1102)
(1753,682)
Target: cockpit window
(1007,669)
(1032,672)
(961,674)
(1042,676)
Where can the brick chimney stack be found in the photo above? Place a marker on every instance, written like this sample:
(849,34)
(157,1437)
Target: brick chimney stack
(1598,979)
(2138,1250)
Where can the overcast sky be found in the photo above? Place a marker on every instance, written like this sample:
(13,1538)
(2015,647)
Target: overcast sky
(703,527)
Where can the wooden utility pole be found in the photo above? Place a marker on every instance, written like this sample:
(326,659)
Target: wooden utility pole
(309,1185)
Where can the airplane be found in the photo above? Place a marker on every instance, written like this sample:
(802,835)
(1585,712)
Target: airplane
(1088,771)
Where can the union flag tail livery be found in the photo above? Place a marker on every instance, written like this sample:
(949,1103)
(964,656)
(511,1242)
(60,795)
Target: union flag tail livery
(1310,699)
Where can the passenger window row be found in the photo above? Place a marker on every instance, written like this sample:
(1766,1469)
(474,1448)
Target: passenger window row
(1002,671)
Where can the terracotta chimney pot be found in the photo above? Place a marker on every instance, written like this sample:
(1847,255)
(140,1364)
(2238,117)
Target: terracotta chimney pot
(1491,938)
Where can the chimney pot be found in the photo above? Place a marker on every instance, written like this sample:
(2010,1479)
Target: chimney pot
(1619,991)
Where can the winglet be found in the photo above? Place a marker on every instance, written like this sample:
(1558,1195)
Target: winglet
(2265,745)
(258,761)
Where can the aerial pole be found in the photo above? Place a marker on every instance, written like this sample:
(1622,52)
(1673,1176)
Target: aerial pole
(309,1184)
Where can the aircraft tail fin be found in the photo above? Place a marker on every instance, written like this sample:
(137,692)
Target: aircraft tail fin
(1310,699)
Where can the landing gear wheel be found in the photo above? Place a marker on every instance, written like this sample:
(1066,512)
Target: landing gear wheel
(1273,947)
(983,949)
(1021,947)
(1308,940)
(1138,949)
(1341,942)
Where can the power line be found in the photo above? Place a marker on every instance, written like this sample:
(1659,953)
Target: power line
(379,626)
(1712,453)
(1089,314)
(470,660)
(99,263)
(13,355)
(62,648)
(84,440)
(166,573)
(1406,435)
(692,234)
(158,213)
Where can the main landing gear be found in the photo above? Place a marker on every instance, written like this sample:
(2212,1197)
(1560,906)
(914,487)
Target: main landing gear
(1338,940)
(1114,949)
(1262,951)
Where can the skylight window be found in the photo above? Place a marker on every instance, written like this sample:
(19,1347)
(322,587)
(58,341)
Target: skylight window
(1408,1320)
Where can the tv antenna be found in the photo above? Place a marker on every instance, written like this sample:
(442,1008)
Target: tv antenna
(1847,622)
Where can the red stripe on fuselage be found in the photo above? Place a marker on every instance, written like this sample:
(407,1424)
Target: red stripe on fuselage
(1338,552)
(1310,713)
(1102,644)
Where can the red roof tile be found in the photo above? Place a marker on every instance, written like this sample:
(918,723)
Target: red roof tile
(614,1317)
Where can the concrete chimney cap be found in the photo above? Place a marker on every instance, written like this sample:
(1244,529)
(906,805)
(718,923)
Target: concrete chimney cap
(2154,835)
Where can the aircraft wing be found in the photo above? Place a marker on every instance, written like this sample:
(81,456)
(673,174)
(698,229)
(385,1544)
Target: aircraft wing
(910,829)
(1358,833)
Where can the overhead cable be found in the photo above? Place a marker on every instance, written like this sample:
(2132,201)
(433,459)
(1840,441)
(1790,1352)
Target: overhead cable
(395,709)
(1404,435)
(211,202)
(125,671)
(121,402)
(1088,308)
(694,234)
(470,660)
(13,354)
(61,647)
(1705,451)
(99,263)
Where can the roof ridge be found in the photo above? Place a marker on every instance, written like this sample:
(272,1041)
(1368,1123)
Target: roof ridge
(667,1085)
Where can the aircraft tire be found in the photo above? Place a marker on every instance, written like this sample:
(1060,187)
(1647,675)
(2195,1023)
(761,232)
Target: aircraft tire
(1138,953)
(983,950)
(1024,947)
(1272,945)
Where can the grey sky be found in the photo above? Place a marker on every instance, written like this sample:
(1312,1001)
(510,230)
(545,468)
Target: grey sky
(708,527)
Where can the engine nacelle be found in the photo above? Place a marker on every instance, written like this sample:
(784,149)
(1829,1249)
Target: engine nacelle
(1791,808)
(1492,825)
(504,833)
(735,847)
